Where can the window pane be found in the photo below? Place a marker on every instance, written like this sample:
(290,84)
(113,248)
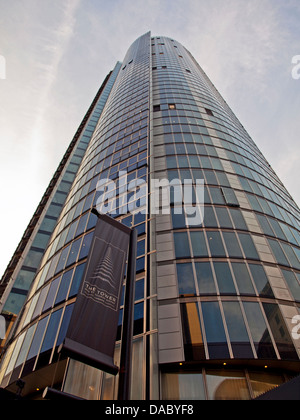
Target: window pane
(64,287)
(74,252)
(193,340)
(198,244)
(82,380)
(182,386)
(38,336)
(261,281)
(248,246)
(216,244)
(293,283)
(51,295)
(178,220)
(243,279)
(51,331)
(227,386)
(265,225)
(182,249)
(62,260)
(186,283)
(224,278)
(280,333)
(263,382)
(86,243)
(278,253)
(223,217)
(137,370)
(139,289)
(65,324)
(205,278)
(138,318)
(140,248)
(25,345)
(237,331)
(294,261)
(259,331)
(230,197)
(238,219)
(140,264)
(76,280)
(209,217)
(216,196)
(232,245)
(214,329)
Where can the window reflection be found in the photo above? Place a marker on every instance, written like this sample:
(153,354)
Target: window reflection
(259,331)
(183,386)
(193,340)
(227,386)
(214,329)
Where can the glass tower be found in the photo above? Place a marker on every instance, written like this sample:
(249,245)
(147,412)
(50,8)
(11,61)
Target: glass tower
(216,297)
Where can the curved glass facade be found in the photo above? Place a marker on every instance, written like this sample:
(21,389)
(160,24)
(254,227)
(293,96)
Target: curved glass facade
(215,301)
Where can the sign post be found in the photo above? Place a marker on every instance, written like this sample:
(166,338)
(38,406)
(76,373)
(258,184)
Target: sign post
(128,319)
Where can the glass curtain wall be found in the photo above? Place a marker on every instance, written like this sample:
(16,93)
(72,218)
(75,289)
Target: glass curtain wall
(214,301)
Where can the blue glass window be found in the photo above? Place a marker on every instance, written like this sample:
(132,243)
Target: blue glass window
(62,260)
(74,252)
(139,289)
(86,244)
(278,253)
(64,287)
(140,248)
(238,219)
(65,324)
(76,280)
(178,220)
(51,294)
(209,217)
(280,332)
(182,248)
(216,244)
(140,264)
(186,283)
(237,331)
(214,329)
(224,278)
(205,278)
(261,281)
(259,331)
(51,331)
(248,246)
(223,217)
(292,283)
(243,279)
(138,318)
(37,339)
(232,245)
(198,244)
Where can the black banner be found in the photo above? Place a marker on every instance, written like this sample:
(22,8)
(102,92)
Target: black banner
(93,327)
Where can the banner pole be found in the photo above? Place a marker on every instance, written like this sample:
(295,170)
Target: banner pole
(128,319)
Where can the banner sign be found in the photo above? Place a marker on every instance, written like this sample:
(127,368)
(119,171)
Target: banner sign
(93,327)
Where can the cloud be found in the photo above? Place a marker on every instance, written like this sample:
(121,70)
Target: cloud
(52,48)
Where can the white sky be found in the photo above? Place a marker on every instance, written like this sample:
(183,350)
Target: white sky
(57,53)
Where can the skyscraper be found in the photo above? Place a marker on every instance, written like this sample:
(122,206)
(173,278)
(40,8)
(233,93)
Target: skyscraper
(217,276)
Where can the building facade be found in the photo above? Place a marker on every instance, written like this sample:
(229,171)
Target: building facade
(217,276)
